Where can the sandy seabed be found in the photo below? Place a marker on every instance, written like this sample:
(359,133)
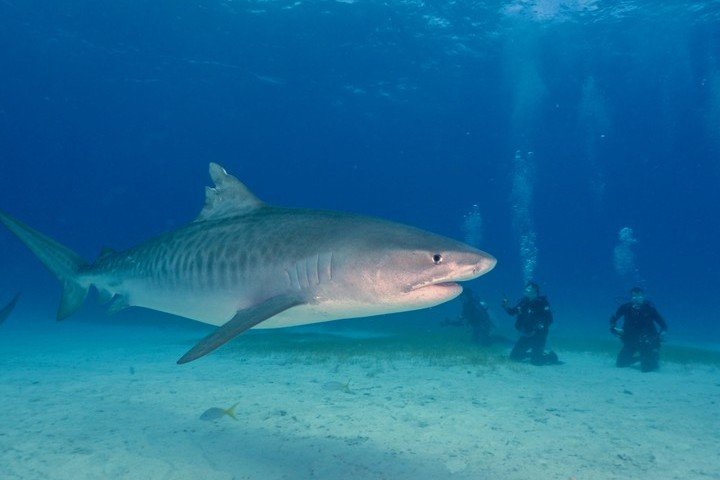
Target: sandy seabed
(84,401)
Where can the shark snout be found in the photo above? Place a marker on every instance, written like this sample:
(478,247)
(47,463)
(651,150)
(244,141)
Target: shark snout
(475,264)
(485,263)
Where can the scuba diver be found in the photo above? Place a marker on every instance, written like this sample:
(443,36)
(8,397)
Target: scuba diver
(533,321)
(475,314)
(638,334)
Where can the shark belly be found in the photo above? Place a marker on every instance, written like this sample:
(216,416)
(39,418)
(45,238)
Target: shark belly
(217,307)
(332,310)
(214,308)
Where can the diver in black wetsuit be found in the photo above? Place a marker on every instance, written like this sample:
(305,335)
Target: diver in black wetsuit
(638,333)
(475,314)
(533,321)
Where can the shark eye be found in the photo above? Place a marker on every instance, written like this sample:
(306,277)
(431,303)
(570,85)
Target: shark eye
(437,259)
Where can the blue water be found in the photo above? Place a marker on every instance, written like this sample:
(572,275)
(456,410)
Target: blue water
(577,141)
(110,113)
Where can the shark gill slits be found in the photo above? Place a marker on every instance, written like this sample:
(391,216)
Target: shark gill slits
(437,259)
(294,280)
(317,269)
(222,272)
(301,270)
(197,269)
(323,268)
(211,272)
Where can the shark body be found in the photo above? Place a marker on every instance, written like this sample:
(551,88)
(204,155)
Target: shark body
(244,264)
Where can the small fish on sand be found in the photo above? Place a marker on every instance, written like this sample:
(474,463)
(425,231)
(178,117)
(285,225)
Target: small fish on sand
(7,309)
(334,386)
(217,413)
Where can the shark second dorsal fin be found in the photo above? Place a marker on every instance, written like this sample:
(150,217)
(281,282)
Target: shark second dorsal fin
(228,198)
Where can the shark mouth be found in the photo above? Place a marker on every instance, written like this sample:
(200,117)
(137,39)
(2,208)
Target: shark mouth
(434,293)
(441,284)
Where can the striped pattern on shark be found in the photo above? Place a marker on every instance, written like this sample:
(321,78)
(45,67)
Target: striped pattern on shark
(245,264)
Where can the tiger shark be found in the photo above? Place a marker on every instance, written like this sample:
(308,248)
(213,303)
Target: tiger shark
(244,264)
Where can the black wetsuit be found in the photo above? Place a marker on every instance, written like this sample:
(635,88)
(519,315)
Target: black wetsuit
(533,320)
(478,318)
(639,334)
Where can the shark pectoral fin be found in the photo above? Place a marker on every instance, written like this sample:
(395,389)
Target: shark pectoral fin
(243,320)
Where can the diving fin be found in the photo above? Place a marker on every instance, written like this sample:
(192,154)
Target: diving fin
(243,320)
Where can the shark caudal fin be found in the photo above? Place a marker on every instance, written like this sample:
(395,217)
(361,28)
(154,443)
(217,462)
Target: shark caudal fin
(62,262)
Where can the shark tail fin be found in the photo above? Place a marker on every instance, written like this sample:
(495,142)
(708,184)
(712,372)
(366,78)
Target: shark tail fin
(61,261)
(231,411)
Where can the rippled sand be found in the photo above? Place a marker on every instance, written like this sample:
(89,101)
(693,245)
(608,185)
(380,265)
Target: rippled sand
(107,401)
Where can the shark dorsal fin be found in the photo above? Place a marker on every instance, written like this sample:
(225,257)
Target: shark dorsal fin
(228,198)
